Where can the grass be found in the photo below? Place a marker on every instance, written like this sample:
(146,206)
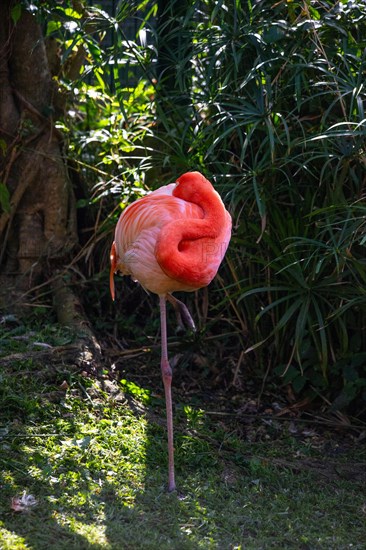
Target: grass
(93,454)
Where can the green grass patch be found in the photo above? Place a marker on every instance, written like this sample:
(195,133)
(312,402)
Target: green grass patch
(96,463)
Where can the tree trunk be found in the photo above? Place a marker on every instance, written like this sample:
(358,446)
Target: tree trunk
(38,230)
(38,215)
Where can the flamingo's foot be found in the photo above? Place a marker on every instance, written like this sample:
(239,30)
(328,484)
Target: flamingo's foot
(171,487)
(184,318)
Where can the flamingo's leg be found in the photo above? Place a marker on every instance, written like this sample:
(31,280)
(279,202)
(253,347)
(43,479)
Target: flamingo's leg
(184,318)
(166,373)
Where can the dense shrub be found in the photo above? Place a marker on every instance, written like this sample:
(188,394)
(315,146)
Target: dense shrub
(268,101)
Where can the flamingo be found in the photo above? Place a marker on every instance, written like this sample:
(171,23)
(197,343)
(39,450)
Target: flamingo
(172,239)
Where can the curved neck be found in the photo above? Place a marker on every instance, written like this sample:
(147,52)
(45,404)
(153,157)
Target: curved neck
(194,188)
(190,249)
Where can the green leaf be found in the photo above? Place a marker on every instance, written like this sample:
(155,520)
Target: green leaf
(323,348)
(16,12)
(4,198)
(53,26)
(275,304)
(298,383)
(3,146)
(291,310)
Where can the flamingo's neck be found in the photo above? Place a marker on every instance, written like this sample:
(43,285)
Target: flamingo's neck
(190,251)
(193,187)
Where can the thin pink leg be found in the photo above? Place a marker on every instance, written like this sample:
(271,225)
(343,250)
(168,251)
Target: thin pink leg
(166,373)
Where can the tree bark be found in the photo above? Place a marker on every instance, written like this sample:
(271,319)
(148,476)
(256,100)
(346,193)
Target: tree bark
(38,227)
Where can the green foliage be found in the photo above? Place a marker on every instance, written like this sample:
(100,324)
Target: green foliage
(4,198)
(279,125)
(268,101)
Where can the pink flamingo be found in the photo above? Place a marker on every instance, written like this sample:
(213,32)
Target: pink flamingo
(172,239)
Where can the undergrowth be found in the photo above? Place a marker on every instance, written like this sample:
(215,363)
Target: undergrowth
(268,102)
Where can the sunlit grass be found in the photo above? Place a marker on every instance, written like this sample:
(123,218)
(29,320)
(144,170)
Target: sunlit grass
(96,462)
(93,534)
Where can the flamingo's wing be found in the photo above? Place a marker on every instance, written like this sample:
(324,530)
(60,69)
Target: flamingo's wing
(137,231)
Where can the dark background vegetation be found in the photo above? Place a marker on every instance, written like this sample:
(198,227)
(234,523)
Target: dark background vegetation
(265,98)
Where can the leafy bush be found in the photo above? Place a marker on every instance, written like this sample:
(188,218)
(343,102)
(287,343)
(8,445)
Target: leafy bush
(278,122)
(268,101)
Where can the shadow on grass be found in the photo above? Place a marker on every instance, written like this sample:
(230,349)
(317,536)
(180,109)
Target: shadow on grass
(82,506)
(97,469)
(97,465)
